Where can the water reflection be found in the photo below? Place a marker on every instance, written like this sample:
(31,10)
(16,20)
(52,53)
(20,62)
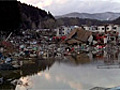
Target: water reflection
(33,67)
(20,77)
(108,59)
(82,71)
(24,83)
(76,60)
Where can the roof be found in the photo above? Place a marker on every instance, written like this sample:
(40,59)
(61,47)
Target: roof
(72,33)
(81,35)
(71,41)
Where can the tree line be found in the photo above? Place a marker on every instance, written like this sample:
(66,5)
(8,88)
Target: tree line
(15,15)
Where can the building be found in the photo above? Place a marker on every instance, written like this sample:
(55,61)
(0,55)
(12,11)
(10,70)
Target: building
(78,36)
(102,29)
(63,31)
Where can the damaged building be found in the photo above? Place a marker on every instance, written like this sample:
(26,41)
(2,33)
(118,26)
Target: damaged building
(78,36)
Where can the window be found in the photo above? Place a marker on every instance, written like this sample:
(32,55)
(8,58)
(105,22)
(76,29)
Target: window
(114,27)
(103,29)
(114,32)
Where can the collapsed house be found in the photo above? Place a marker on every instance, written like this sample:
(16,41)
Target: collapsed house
(78,36)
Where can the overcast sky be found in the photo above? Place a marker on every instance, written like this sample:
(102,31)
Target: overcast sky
(60,7)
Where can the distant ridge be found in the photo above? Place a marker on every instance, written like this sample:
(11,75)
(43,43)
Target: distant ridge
(109,16)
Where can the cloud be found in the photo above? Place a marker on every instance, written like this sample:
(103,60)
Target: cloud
(58,7)
(47,76)
(44,3)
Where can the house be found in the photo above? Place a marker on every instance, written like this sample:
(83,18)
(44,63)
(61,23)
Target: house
(78,36)
(63,31)
(94,35)
(108,28)
(102,29)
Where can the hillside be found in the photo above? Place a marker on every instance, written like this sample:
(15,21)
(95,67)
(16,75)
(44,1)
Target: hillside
(10,18)
(116,21)
(15,15)
(33,17)
(79,22)
(99,16)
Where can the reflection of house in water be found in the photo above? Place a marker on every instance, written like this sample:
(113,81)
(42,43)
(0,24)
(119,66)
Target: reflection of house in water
(76,60)
(109,58)
(107,54)
(99,88)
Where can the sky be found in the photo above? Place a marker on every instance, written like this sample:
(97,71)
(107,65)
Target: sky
(60,7)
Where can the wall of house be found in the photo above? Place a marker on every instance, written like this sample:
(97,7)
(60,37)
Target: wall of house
(119,31)
(62,31)
(86,28)
(102,28)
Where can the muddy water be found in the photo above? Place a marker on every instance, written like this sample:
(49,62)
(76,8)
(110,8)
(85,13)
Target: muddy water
(71,77)
(80,72)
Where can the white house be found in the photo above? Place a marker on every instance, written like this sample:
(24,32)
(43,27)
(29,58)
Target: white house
(62,31)
(102,28)
(90,28)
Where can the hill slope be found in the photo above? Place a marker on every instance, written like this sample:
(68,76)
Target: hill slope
(79,22)
(98,16)
(116,21)
(15,15)
(10,18)
(33,17)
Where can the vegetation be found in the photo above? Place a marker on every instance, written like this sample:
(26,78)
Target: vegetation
(33,17)
(117,21)
(9,16)
(66,21)
(79,22)
(15,15)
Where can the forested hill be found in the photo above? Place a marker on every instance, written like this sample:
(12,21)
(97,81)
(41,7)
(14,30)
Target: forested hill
(117,21)
(89,22)
(10,18)
(15,15)
(33,17)
(79,22)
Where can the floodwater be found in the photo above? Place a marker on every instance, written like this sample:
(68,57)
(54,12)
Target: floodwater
(82,72)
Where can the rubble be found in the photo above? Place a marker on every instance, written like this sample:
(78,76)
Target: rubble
(44,44)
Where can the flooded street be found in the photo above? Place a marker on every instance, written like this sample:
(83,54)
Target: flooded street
(60,45)
(85,71)
(72,77)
